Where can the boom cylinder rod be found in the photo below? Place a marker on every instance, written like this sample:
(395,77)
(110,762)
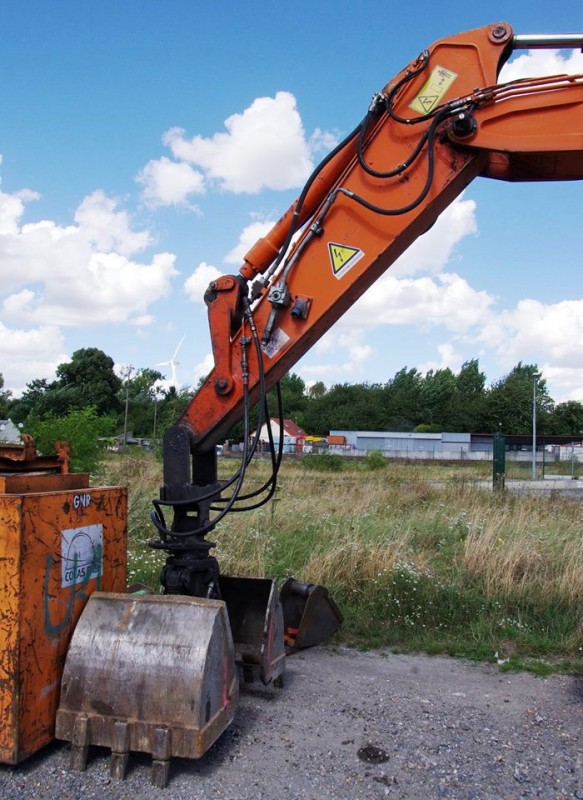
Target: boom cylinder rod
(551,41)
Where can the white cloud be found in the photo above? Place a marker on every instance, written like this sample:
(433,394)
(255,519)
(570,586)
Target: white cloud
(535,329)
(446,300)
(30,353)
(144,320)
(323,141)
(79,274)
(537,63)
(347,356)
(197,283)
(202,369)
(449,358)
(432,251)
(170,183)
(106,229)
(12,208)
(264,147)
(567,382)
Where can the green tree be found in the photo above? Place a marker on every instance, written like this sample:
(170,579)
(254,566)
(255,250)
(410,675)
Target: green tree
(92,380)
(567,418)
(42,398)
(5,399)
(170,407)
(470,398)
(317,389)
(83,429)
(88,380)
(140,389)
(402,399)
(345,406)
(438,391)
(509,401)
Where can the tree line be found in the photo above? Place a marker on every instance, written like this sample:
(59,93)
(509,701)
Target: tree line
(87,390)
(88,403)
(436,401)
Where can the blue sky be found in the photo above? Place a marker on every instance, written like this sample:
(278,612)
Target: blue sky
(144,143)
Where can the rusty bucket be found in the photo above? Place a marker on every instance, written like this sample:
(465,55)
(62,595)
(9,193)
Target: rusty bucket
(310,615)
(256,619)
(148,673)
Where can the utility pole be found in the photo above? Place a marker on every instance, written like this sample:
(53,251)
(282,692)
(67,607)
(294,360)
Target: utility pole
(535,377)
(127,373)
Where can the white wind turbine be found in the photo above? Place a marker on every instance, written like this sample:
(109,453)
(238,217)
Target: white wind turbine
(172,363)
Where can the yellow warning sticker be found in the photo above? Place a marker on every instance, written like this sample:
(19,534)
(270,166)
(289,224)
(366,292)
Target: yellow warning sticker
(343,257)
(433,90)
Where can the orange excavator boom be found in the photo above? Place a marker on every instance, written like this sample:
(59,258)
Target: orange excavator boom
(441,122)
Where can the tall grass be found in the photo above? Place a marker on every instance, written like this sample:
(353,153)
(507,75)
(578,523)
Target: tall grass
(440,566)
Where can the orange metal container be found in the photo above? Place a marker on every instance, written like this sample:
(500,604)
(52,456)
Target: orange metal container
(56,548)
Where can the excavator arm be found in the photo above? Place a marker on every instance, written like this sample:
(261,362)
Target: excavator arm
(159,673)
(441,122)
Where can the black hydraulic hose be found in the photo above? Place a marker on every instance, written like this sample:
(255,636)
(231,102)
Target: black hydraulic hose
(423,194)
(391,173)
(301,199)
(276,459)
(157,515)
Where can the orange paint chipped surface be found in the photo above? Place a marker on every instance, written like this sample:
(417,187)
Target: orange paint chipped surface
(56,548)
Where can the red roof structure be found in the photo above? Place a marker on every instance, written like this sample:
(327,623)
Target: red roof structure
(290,428)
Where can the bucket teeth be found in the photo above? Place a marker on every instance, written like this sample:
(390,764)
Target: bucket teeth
(160,773)
(118,765)
(161,751)
(120,746)
(80,743)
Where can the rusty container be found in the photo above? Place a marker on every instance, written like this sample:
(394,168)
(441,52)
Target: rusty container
(56,548)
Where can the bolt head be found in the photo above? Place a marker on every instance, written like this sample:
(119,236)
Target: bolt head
(499,33)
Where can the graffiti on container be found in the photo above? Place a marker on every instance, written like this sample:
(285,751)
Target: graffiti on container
(81,561)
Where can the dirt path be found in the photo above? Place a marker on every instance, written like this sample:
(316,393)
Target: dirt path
(352,725)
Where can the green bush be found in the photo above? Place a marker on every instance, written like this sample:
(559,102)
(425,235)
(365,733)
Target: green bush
(324,462)
(81,428)
(375,460)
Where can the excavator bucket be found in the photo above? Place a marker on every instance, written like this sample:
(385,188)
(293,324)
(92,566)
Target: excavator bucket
(256,619)
(310,615)
(148,673)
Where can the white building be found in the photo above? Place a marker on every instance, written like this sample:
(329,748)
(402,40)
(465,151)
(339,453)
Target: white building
(293,435)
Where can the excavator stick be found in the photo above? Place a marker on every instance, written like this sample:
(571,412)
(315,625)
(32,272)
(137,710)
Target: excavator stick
(148,673)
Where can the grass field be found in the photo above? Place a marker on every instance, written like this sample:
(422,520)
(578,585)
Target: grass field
(416,557)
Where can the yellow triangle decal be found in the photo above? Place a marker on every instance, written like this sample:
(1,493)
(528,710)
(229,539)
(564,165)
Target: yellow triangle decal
(343,257)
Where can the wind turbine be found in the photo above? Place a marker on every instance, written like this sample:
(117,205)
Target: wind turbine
(172,363)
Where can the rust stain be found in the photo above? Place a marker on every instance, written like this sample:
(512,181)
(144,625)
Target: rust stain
(38,613)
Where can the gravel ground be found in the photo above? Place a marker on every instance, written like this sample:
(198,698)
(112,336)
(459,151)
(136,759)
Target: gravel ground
(353,725)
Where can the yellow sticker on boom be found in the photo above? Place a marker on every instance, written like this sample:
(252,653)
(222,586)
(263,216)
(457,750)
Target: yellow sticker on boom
(343,257)
(433,90)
